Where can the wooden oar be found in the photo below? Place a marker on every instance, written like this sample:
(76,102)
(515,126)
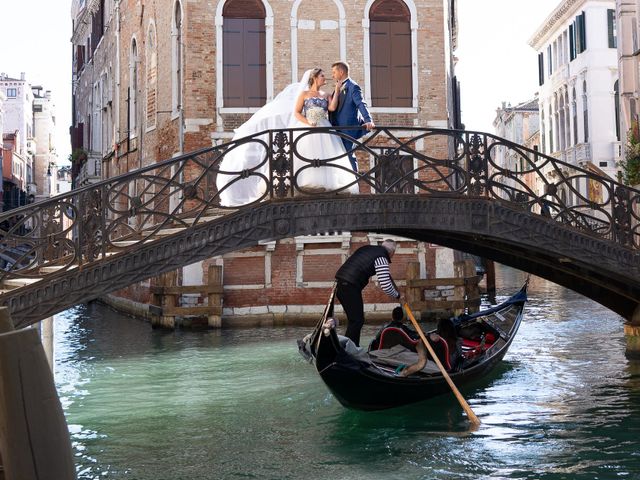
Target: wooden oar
(463,403)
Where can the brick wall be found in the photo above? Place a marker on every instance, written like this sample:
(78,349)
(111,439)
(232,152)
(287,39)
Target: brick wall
(287,273)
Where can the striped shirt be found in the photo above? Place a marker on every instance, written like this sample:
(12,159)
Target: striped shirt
(381,265)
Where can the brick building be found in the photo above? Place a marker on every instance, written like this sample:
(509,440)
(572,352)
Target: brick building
(157,78)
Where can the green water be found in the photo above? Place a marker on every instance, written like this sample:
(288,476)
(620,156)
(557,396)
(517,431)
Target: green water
(238,404)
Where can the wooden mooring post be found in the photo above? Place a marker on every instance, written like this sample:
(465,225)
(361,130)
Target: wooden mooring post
(167,295)
(439,298)
(34,438)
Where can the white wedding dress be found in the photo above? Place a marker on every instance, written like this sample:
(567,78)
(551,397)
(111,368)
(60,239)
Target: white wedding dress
(334,171)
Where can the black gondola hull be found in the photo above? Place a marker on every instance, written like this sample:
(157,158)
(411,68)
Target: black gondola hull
(359,383)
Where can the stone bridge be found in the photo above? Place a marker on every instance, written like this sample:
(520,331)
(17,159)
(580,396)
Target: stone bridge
(466,190)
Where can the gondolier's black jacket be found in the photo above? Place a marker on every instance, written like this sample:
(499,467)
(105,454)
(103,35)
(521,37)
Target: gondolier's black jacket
(359,267)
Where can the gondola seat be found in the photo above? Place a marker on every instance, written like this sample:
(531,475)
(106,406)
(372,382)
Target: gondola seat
(392,336)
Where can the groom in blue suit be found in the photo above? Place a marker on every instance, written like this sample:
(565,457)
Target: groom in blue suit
(351,109)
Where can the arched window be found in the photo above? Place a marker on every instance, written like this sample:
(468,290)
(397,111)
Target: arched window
(556,123)
(244,54)
(574,108)
(561,144)
(176,58)
(152,76)
(567,119)
(390,54)
(550,127)
(543,146)
(585,111)
(132,96)
(616,107)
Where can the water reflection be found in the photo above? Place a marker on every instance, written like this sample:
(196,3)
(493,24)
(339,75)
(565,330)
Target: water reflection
(147,404)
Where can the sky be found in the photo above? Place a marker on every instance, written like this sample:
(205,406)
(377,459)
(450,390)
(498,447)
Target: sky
(35,38)
(495,62)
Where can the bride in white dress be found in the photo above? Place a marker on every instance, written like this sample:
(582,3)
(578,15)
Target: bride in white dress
(312,110)
(300,104)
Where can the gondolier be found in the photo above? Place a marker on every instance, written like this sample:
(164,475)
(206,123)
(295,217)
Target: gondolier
(354,275)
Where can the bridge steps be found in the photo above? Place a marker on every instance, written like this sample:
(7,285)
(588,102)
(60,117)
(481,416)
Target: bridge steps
(20,282)
(52,269)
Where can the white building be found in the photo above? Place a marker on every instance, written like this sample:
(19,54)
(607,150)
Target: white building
(46,158)
(519,124)
(18,115)
(20,144)
(578,73)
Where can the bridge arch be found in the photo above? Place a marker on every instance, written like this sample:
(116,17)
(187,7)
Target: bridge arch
(530,242)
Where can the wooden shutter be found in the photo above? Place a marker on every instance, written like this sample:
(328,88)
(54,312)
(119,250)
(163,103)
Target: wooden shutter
(572,43)
(611,27)
(390,54)
(232,61)
(541,69)
(244,54)
(401,88)
(254,67)
(380,45)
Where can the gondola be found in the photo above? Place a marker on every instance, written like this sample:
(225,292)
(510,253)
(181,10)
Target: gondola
(368,379)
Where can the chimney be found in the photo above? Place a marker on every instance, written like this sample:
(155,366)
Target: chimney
(22,75)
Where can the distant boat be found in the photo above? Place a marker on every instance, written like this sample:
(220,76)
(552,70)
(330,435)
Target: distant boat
(367,380)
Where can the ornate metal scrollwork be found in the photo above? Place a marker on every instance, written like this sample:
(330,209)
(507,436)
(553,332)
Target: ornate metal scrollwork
(281,164)
(85,225)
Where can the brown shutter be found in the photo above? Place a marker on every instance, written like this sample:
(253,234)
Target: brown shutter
(380,54)
(390,54)
(401,89)
(233,48)
(244,57)
(254,68)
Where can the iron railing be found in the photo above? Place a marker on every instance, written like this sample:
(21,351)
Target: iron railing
(92,222)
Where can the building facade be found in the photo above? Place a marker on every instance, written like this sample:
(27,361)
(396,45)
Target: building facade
(19,146)
(578,78)
(519,124)
(156,79)
(46,159)
(628,21)
(2,99)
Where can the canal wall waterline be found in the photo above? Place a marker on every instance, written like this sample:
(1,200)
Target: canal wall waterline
(293,316)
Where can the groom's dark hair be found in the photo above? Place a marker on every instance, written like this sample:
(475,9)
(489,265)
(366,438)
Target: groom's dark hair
(344,66)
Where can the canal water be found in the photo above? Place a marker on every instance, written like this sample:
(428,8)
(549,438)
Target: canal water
(145,404)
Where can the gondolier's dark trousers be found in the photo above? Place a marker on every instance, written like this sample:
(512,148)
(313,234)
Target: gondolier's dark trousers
(350,297)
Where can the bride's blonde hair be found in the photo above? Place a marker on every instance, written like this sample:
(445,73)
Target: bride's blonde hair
(313,75)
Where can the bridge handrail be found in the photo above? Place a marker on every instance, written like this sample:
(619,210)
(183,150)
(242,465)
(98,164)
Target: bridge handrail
(84,224)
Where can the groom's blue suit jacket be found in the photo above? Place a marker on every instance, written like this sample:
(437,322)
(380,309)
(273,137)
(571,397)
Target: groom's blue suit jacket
(352,109)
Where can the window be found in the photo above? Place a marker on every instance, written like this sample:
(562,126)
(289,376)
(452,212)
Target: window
(572,42)
(585,111)
(550,129)
(542,130)
(152,76)
(611,27)
(390,53)
(540,69)
(176,48)
(244,54)
(574,108)
(561,123)
(12,93)
(549,61)
(567,121)
(133,88)
(580,29)
(616,106)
